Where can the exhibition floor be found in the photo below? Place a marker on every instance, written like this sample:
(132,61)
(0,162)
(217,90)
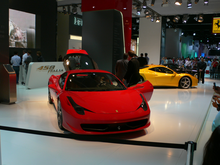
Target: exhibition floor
(177,116)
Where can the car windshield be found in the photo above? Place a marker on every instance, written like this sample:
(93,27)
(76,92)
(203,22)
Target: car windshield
(93,81)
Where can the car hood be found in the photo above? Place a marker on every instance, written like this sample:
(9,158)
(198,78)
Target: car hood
(122,101)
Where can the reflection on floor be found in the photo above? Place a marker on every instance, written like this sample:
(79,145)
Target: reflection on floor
(177,116)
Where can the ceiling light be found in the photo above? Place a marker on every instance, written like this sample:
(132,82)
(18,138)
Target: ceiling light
(157,19)
(144,4)
(139,10)
(206,2)
(152,2)
(147,13)
(185,18)
(194,34)
(176,19)
(165,3)
(178,2)
(152,18)
(200,18)
(196,1)
(168,19)
(182,33)
(189,4)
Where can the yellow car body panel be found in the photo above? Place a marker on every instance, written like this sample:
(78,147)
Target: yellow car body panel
(168,77)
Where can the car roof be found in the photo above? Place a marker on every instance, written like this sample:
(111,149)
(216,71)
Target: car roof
(87,71)
(153,65)
(76,51)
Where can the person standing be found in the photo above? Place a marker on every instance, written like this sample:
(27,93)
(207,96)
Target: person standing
(142,60)
(15,61)
(23,67)
(121,67)
(28,60)
(201,66)
(132,75)
(147,58)
(39,57)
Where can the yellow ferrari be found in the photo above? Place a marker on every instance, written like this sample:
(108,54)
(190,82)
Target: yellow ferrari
(160,75)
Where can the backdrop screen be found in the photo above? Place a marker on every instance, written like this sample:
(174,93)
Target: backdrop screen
(22,27)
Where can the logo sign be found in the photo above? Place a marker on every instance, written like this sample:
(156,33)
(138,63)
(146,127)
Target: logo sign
(78,21)
(216,25)
(49,69)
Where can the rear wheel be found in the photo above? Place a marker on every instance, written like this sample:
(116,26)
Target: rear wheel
(59,116)
(185,82)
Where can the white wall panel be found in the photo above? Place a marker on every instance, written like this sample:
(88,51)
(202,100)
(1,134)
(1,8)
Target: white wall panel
(150,39)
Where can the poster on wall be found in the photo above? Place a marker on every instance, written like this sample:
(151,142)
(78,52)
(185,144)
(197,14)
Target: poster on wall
(22,27)
(216,25)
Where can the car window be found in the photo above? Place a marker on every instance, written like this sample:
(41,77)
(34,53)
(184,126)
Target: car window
(78,61)
(166,70)
(62,80)
(156,69)
(93,82)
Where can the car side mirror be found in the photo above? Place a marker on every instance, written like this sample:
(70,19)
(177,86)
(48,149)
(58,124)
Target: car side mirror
(52,86)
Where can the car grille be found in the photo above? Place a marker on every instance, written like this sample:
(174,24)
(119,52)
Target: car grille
(114,127)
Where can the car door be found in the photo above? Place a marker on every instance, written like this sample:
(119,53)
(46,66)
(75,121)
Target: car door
(165,76)
(58,88)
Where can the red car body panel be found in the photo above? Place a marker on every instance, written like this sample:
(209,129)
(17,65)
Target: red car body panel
(118,107)
(76,51)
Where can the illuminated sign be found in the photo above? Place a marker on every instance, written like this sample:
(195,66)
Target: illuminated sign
(78,21)
(216,25)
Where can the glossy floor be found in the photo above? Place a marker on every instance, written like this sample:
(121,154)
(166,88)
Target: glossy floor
(177,116)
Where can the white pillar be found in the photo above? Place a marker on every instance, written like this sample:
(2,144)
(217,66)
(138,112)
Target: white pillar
(150,39)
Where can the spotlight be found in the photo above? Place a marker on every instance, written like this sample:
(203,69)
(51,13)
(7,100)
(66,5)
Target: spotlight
(200,18)
(152,18)
(147,13)
(196,1)
(168,19)
(194,34)
(157,19)
(144,4)
(189,4)
(74,9)
(206,2)
(182,33)
(152,2)
(185,18)
(139,10)
(178,2)
(176,19)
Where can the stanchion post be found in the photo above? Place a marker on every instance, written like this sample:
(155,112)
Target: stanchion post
(0,151)
(190,152)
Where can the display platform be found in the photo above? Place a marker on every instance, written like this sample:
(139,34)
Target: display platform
(177,116)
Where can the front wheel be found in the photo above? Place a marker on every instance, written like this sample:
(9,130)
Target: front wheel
(185,82)
(49,97)
(59,116)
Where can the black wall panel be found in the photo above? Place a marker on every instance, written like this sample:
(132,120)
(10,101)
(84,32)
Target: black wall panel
(45,26)
(102,37)
(4,58)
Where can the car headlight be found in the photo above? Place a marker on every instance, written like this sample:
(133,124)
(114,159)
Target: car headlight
(78,109)
(143,104)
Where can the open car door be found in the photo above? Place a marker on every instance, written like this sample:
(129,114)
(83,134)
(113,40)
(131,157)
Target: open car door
(146,88)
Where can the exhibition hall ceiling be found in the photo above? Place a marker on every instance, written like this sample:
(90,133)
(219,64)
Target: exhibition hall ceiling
(167,7)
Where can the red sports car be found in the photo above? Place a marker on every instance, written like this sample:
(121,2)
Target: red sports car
(92,101)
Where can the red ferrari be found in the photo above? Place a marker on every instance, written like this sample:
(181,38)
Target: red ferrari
(94,101)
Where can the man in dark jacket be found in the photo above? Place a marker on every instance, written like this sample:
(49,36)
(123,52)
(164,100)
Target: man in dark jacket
(121,67)
(132,75)
(201,66)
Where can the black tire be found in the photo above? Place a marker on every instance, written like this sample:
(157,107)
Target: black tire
(185,82)
(59,116)
(49,97)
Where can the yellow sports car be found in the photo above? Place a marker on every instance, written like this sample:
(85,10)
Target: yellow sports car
(160,75)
